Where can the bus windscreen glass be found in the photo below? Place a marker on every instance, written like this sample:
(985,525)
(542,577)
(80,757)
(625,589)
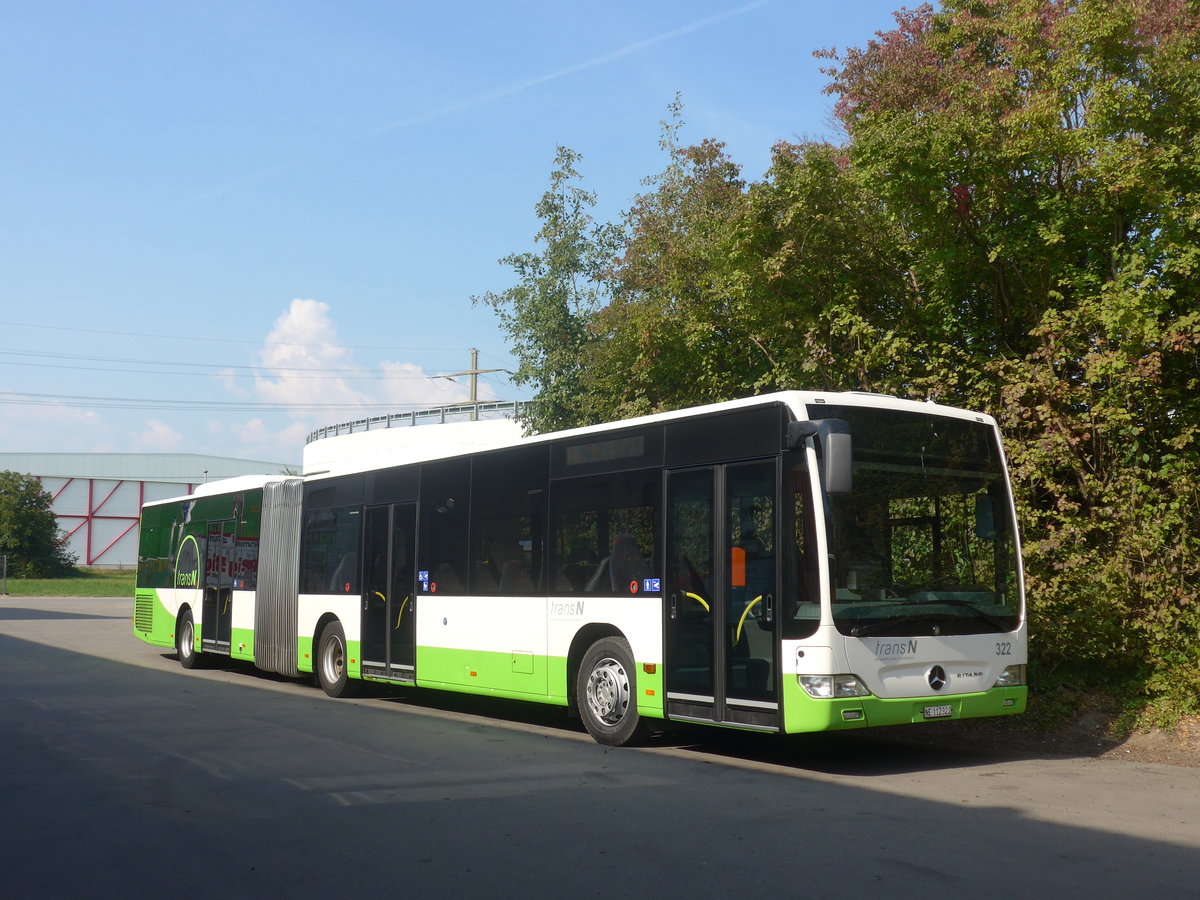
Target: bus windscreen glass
(924,544)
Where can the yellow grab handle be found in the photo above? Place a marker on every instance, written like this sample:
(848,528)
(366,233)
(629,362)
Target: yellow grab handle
(742,621)
(698,599)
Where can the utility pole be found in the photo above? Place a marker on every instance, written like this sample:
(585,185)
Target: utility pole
(474,372)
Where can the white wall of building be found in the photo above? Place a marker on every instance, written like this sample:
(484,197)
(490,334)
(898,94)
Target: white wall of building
(98,496)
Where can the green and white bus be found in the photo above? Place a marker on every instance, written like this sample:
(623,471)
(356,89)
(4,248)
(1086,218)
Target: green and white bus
(787,563)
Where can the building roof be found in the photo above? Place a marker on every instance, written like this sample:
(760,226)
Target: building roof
(184,468)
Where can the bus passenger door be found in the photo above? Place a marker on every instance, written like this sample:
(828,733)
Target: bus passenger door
(388,620)
(722,642)
(691,594)
(217,612)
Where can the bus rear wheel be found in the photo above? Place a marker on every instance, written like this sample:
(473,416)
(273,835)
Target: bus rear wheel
(606,693)
(185,642)
(332,672)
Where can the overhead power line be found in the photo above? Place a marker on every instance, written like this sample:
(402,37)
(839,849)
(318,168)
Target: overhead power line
(88,402)
(215,340)
(290,374)
(181,404)
(219,369)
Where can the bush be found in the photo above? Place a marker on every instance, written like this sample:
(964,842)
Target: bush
(29,534)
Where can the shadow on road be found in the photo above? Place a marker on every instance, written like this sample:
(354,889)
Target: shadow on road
(17,613)
(867,753)
(870,752)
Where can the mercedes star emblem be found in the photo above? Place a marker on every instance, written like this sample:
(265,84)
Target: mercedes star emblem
(937,678)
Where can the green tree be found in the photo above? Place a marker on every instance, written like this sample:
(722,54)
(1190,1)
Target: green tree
(548,313)
(29,533)
(1042,158)
(827,278)
(1012,225)
(674,330)
(727,289)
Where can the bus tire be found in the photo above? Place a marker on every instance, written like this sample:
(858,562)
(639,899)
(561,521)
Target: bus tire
(185,642)
(333,673)
(606,693)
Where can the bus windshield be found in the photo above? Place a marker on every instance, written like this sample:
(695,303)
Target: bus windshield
(924,545)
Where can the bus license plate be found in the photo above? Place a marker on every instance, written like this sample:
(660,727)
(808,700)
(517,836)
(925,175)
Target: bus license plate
(939,712)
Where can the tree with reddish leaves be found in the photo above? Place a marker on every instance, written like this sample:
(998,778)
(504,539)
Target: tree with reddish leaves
(1013,224)
(1042,158)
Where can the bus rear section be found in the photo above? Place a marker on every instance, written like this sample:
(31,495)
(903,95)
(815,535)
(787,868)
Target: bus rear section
(217,573)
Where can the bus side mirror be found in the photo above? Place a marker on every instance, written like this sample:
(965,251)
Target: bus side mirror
(836,447)
(839,458)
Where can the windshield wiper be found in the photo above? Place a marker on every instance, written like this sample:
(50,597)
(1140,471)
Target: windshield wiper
(875,627)
(882,625)
(995,621)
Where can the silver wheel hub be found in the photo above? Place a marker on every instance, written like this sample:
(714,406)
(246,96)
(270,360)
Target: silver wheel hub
(333,660)
(608,691)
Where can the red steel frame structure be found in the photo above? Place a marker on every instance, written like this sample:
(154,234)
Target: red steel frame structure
(100,528)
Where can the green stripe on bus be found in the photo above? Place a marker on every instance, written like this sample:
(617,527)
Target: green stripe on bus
(519,676)
(487,672)
(803,713)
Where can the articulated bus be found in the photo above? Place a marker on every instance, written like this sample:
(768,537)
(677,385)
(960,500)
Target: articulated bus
(789,563)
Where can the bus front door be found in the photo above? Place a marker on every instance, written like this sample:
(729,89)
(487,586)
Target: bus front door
(388,617)
(217,613)
(722,646)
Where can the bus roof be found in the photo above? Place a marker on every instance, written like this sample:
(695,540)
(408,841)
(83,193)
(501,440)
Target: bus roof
(223,486)
(367,450)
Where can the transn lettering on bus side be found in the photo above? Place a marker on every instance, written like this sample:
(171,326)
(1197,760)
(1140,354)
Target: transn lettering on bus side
(574,608)
(896,648)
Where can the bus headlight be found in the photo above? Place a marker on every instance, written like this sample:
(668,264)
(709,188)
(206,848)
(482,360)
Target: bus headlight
(1011,677)
(833,687)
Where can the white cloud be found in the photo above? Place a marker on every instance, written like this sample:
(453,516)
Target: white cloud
(54,428)
(407,385)
(158,437)
(304,341)
(259,440)
(316,367)
(307,364)
(227,378)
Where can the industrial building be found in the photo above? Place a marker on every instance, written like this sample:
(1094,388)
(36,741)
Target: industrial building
(98,496)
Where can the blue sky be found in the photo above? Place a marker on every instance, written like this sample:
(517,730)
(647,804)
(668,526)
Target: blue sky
(215,213)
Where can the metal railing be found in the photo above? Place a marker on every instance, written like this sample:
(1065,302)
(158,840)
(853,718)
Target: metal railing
(438,415)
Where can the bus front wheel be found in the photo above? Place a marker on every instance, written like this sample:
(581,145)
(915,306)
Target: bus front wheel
(332,672)
(606,693)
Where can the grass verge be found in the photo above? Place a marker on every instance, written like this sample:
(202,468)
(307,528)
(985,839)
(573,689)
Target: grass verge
(86,583)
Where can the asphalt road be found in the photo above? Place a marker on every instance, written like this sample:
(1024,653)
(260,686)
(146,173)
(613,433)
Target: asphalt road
(121,774)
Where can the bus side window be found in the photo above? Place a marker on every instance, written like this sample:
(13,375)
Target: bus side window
(605,529)
(508,521)
(442,543)
(331,545)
